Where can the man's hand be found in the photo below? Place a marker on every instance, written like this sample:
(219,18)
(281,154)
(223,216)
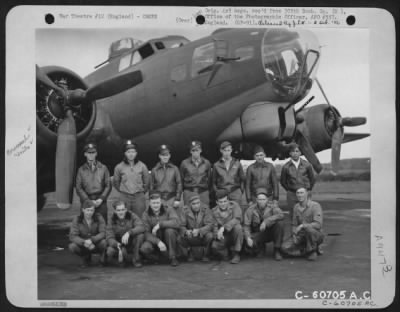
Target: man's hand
(92,246)
(87,243)
(125,238)
(298,229)
(188,233)
(162,246)
(98,202)
(295,238)
(155,229)
(268,223)
(263,226)
(176,204)
(195,232)
(220,234)
(250,242)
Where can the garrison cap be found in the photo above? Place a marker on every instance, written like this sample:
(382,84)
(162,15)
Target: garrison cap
(164,150)
(258,149)
(225,144)
(129,144)
(88,204)
(193,197)
(221,194)
(195,144)
(154,194)
(90,147)
(261,190)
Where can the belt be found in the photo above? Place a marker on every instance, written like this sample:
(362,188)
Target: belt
(233,189)
(196,189)
(167,196)
(94,195)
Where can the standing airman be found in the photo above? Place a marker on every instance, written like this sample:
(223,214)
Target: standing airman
(228,174)
(296,173)
(196,175)
(166,178)
(93,181)
(132,180)
(261,174)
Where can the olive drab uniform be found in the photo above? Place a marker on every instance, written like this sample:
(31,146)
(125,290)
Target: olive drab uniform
(253,218)
(293,178)
(132,182)
(166,179)
(116,228)
(196,178)
(230,219)
(229,179)
(311,235)
(203,221)
(80,231)
(168,233)
(261,175)
(93,182)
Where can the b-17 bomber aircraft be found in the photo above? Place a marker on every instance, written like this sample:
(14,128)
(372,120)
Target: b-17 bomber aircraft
(239,85)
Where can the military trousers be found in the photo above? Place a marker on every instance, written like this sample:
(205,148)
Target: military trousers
(168,236)
(273,234)
(133,246)
(232,240)
(134,202)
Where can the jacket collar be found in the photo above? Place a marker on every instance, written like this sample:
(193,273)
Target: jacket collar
(191,160)
(159,165)
(97,164)
(263,164)
(163,210)
(191,214)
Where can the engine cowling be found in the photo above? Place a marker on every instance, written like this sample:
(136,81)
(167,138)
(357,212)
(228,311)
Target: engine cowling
(49,113)
(319,125)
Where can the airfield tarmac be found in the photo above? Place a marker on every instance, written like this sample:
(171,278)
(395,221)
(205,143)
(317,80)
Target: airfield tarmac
(345,264)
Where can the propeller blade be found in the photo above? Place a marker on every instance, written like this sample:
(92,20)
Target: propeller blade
(43,78)
(349,137)
(353,121)
(114,85)
(337,138)
(308,151)
(65,161)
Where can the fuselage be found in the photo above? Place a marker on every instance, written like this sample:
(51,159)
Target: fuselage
(188,93)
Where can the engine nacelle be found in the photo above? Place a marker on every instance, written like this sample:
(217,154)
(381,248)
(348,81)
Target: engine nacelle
(320,125)
(261,122)
(49,112)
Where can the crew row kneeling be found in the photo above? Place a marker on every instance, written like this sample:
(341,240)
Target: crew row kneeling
(165,232)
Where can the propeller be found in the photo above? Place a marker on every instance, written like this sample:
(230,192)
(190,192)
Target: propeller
(307,150)
(66,132)
(338,133)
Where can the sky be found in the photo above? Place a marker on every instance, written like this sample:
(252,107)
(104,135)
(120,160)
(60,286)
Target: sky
(343,70)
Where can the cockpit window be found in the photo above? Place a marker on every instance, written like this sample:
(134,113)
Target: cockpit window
(203,59)
(159,45)
(124,62)
(292,63)
(146,51)
(136,58)
(290,59)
